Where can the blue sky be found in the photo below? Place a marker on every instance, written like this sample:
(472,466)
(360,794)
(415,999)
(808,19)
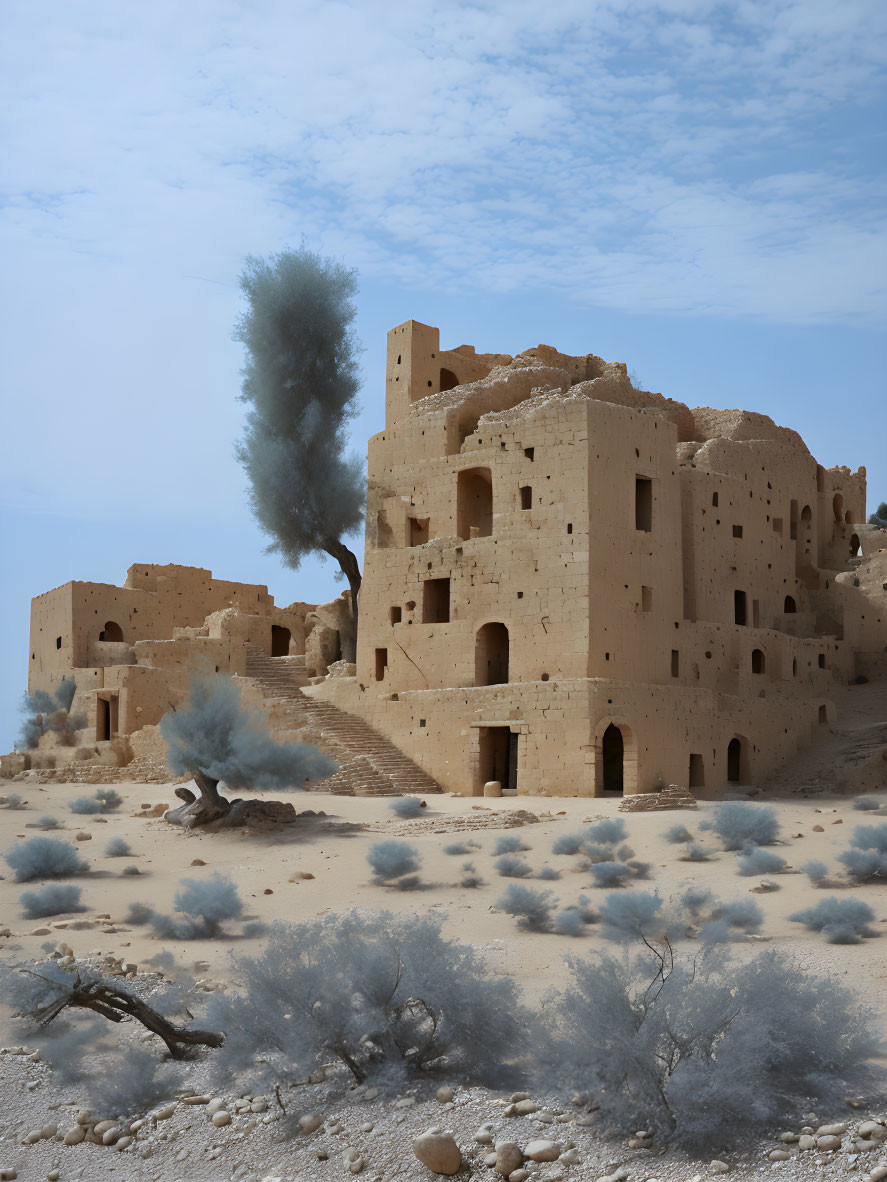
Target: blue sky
(693,188)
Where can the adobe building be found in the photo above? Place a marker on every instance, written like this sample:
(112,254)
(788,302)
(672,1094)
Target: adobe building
(576,587)
(132,650)
(570,586)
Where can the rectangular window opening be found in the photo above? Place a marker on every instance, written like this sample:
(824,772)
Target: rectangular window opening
(529,452)
(675,663)
(58,642)
(643,504)
(381,663)
(526,497)
(569,527)
(419,530)
(777,525)
(737,531)
(739,607)
(395,614)
(697,772)
(714,500)
(822,660)
(646,599)
(436,601)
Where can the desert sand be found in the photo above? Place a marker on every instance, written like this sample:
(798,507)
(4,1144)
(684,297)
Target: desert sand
(328,846)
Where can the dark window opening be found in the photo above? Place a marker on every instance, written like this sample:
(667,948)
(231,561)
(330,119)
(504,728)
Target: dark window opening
(714,500)
(436,601)
(758,661)
(474,503)
(381,663)
(58,642)
(795,667)
(739,607)
(112,632)
(395,614)
(737,531)
(419,530)
(448,379)
(526,497)
(789,607)
(280,641)
(613,759)
(491,655)
(697,772)
(569,527)
(838,507)
(675,663)
(854,546)
(823,715)
(822,660)
(530,452)
(734,761)
(643,504)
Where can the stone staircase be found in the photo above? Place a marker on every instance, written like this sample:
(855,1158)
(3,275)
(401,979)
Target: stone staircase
(369,764)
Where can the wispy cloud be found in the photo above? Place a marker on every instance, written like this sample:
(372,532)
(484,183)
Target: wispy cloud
(679,155)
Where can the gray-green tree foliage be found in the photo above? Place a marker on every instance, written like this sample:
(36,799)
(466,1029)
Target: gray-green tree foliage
(879,517)
(42,712)
(300,383)
(214,738)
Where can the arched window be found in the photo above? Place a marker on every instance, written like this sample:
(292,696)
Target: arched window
(789,607)
(491,655)
(758,661)
(448,379)
(111,631)
(838,506)
(806,514)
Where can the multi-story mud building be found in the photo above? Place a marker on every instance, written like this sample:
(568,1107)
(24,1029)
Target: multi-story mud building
(575,586)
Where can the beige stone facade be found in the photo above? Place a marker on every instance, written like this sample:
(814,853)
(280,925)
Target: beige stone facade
(574,586)
(132,650)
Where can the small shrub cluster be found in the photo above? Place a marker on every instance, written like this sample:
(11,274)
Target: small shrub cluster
(105,800)
(678,834)
(510,843)
(118,847)
(456,848)
(816,871)
(12,801)
(203,908)
(533,911)
(694,852)
(44,857)
(867,856)
(841,921)
(55,898)
(511,866)
(866,804)
(470,879)
(643,915)
(754,860)
(48,822)
(406,807)
(738,824)
(394,864)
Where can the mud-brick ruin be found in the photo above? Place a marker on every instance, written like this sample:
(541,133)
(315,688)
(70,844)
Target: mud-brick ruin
(570,586)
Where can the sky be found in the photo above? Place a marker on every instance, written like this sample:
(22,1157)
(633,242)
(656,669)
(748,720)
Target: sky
(693,188)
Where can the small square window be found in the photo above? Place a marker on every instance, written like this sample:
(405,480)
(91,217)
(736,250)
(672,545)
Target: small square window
(737,531)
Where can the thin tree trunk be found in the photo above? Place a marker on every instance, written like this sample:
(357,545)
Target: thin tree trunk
(349,566)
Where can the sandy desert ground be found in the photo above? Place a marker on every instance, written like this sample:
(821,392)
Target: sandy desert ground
(331,848)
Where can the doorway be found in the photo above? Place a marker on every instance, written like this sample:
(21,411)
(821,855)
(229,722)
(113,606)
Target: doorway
(613,759)
(498,757)
(280,641)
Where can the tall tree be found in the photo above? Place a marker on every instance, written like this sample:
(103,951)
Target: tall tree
(300,382)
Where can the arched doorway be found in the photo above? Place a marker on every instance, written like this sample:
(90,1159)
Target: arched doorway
(854,546)
(613,759)
(736,760)
(758,661)
(448,380)
(789,607)
(491,655)
(280,641)
(111,631)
